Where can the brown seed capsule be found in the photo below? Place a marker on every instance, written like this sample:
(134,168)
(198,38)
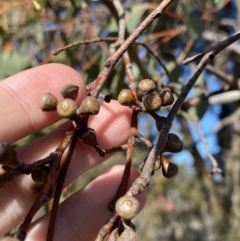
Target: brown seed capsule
(89,106)
(126,97)
(70,91)
(169,169)
(127,207)
(167,97)
(67,108)
(48,102)
(146,86)
(173,143)
(8,155)
(38,175)
(152,102)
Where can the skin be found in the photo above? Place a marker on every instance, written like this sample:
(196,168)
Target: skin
(82,215)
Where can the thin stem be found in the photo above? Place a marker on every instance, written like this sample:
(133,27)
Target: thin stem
(60,182)
(59,188)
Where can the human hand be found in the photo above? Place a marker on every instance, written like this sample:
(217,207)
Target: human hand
(81,216)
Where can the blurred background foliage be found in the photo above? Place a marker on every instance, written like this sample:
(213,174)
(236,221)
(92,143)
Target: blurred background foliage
(191,206)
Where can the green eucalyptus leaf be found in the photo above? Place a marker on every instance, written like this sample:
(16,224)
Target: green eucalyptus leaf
(12,63)
(195,25)
(193,21)
(200,83)
(152,69)
(197,112)
(219,3)
(137,11)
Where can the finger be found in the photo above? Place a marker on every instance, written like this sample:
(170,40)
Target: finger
(9,239)
(81,216)
(20,94)
(112,121)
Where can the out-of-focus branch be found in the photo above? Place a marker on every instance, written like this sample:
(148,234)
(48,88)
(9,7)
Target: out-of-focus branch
(227,120)
(132,50)
(206,183)
(215,167)
(225,97)
(216,48)
(99,82)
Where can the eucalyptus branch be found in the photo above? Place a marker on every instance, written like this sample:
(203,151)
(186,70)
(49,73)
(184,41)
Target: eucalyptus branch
(85,42)
(142,96)
(143,180)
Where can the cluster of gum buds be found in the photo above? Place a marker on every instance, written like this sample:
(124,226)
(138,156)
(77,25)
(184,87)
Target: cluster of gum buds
(11,166)
(153,100)
(67,108)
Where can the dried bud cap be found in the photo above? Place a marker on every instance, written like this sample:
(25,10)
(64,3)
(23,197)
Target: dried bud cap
(173,143)
(127,207)
(89,106)
(67,108)
(152,102)
(129,232)
(48,102)
(38,175)
(70,91)
(169,169)
(146,86)
(167,97)
(160,120)
(126,97)
(89,137)
(8,155)
(5,176)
